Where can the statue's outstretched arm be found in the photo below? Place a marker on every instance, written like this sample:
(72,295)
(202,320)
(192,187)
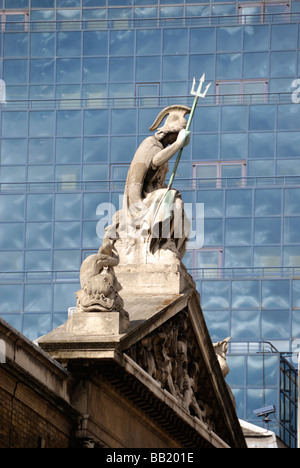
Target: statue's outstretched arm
(164,155)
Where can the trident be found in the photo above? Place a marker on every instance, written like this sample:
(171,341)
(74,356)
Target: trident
(197,93)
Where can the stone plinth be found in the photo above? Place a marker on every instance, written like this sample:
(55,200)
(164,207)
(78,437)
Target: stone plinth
(97,323)
(153,279)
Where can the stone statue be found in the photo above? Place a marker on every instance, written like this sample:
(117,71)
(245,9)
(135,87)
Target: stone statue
(152,214)
(221,348)
(99,285)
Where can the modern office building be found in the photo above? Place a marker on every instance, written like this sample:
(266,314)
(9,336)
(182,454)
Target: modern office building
(81,82)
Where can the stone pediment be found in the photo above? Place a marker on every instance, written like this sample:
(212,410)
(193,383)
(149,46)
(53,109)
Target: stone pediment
(174,348)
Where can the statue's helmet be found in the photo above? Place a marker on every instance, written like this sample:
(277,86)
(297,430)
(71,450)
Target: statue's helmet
(175,120)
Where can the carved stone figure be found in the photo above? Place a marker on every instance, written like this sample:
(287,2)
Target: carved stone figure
(221,348)
(149,213)
(99,285)
(170,355)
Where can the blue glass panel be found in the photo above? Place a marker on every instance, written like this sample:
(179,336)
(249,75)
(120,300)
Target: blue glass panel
(261,145)
(291,230)
(121,42)
(267,231)
(267,202)
(90,239)
(42,71)
(39,207)
(218,324)
(205,147)
(69,123)
(123,121)
(11,236)
(95,149)
(40,151)
(234,146)
(262,370)
(123,148)
(40,173)
(95,122)
(11,298)
(38,260)
(67,235)
(148,42)
(275,324)
(234,118)
(121,69)
(229,66)
(262,117)
(67,206)
(94,42)
(275,294)
(238,231)
(16,4)
(95,172)
(68,150)
(11,261)
(91,202)
(292,201)
(63,296)
(12,121)
(267,257)
(296,293)
(68,70)
(283,64)
(200,64)
(288,144)
(215,294)
(38,235)
(213,232)
(41,123)
(171,12)
(68,43)
(213,202)
(13,151)
(148,69)
(206,119)
(237,374)
(175,41)
(229,39)
(262,168)
(245,294)
(66,260)
(94,70)
(202,40)
(37,299)
(237,257)
(245,324)
(291,256)
(15,44)
(36,325)
(15,71)
(256,37)
(284,36)
(256,65)
(175,67)
(288,117)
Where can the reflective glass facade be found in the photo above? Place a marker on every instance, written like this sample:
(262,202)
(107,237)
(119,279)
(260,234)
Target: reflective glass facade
(81,81)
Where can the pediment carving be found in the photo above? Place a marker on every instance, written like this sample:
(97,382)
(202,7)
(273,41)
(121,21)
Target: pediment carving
(171,356)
